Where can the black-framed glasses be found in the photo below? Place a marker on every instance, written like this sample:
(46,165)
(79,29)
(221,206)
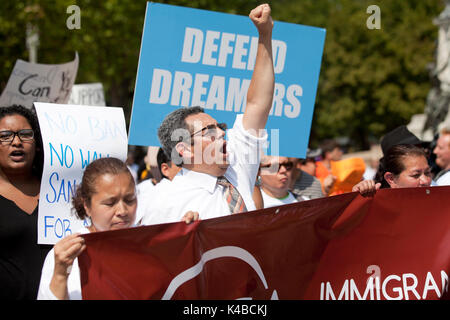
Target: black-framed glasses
(211,130)
(24,135)
(287,165)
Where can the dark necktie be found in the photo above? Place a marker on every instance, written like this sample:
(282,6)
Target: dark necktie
(232,196)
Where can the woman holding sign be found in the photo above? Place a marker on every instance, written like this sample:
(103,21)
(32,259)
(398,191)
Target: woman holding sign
(21,162)
(107,196)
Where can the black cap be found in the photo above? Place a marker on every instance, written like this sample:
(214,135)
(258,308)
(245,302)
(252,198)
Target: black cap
(400,135)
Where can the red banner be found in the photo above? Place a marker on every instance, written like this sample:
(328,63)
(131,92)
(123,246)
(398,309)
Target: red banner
(395,245)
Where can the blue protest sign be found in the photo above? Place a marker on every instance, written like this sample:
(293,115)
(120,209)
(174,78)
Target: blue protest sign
(192,57)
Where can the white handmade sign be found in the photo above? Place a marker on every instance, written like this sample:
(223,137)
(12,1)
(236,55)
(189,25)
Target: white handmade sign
(88,94)
(34,82)
(72,136)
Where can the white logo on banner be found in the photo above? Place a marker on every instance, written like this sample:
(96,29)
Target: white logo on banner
(393,287)
(221,252)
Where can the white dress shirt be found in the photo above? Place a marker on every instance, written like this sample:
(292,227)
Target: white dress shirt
(146,196)
(195,191)
(144,186)
(73,281)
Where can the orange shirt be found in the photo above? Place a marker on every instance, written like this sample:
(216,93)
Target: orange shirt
(321,171)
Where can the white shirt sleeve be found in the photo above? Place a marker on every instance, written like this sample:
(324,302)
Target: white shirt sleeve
(245,156)
(73,281)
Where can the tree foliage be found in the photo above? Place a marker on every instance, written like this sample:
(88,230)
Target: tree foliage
(371,80)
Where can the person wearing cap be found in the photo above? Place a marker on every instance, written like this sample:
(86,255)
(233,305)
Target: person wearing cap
(442,152)
(400,135)
(305,184)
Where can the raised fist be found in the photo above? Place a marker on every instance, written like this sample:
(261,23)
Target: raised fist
(261,18)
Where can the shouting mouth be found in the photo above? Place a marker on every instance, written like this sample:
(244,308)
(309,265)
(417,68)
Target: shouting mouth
(17,155)
(223,149)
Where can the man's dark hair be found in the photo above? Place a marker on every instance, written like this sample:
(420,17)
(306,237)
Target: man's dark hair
(328,146)
(174,121)
(161,158)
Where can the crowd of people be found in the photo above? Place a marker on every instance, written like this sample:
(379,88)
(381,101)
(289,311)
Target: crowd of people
(113,197)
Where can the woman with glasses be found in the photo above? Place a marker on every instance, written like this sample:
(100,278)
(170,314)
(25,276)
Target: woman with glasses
(276,176)
(21,163)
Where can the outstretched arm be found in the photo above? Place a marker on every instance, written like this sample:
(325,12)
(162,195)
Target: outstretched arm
(261,89)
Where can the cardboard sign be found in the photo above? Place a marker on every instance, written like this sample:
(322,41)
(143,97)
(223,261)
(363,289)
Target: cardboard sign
(348,172)
(392,246)
(88,94)
(73,137)
(33,82)
(192,57)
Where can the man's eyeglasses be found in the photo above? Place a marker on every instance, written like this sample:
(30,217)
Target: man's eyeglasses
(24,135)
(287,165)
(211,130)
